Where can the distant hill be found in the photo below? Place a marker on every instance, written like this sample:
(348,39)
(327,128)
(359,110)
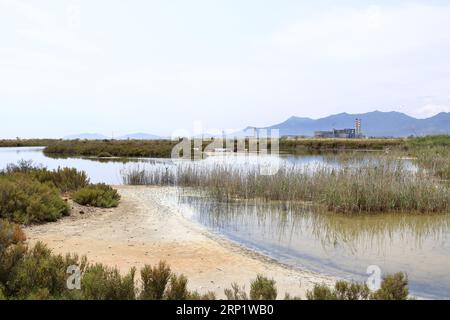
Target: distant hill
(86,136)
(97,136)
(374,124)
(140,136)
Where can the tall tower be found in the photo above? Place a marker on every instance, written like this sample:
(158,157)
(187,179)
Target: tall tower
(358,130)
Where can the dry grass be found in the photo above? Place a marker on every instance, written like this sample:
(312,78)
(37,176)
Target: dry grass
(374,186)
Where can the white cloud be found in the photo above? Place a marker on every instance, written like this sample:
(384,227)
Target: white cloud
(430,110)
(376,31)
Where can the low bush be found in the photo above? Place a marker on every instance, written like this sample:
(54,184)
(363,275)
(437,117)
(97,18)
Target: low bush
(263,288)
(154,281)
(36,273)
(26,200)
(393,287)
(65,179)
(39,273)
(116,148)
(98,195)
(177,289)
(236,292)
(100,282)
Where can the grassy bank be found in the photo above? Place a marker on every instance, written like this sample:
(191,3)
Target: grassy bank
(163,148)
(113,148)
(379,186)
(302,144)
(36,273)
(26,142)
(433,154)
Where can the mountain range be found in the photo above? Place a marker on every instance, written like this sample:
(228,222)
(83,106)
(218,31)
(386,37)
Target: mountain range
(97,136)
(374,124)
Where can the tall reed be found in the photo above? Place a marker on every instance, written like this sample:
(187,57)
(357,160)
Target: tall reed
(374,186)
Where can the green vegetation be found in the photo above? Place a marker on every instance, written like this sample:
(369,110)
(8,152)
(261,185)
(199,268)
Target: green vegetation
(433,154)
(308,144)
(263,289)
(65,179)
(115,148)
(97,195)
(36,273)
(378,186)
(163,148)
(30,194)
(26,200)
(393,287)
(430,141)
(26,142)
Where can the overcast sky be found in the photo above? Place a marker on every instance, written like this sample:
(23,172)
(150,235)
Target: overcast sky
(75,66)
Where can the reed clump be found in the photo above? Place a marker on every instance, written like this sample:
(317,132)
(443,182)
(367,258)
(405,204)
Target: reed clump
(373,187)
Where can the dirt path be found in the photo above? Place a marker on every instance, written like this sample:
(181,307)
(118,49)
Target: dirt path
(144,230)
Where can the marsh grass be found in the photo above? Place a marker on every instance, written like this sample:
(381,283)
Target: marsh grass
(375,186)
(301,144)
(115,148)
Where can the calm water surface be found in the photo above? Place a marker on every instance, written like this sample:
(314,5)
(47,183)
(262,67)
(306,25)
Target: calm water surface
(297,235)
(335,244)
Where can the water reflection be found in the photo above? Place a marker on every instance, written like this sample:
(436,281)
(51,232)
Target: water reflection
(339,245)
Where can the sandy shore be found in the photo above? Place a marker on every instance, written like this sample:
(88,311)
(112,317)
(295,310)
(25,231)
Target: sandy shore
(144,230)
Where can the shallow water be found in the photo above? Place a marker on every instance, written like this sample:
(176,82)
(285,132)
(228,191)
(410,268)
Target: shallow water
(297,235)
(98,171)
(334,244)
(110,170)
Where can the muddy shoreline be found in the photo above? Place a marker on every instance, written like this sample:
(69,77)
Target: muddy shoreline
(145,230)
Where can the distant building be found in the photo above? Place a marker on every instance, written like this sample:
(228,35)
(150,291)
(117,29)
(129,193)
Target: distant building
(355,133)
(337,133)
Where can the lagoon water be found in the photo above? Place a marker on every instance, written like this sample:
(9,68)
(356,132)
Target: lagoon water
(333,244)
(296,235)
(110,170)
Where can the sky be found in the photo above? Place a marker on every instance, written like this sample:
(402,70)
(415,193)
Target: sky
(116,67)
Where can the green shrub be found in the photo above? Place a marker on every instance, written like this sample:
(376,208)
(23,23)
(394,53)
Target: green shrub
(177,289)
(154,281)
(393,287)
(321,292)
(65,179)
(116,148)
(11,249)
(100,282)
(263,288)
(194,295)
(39,273)
(351,291)
(26,200)
(98,195)
(236,292)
